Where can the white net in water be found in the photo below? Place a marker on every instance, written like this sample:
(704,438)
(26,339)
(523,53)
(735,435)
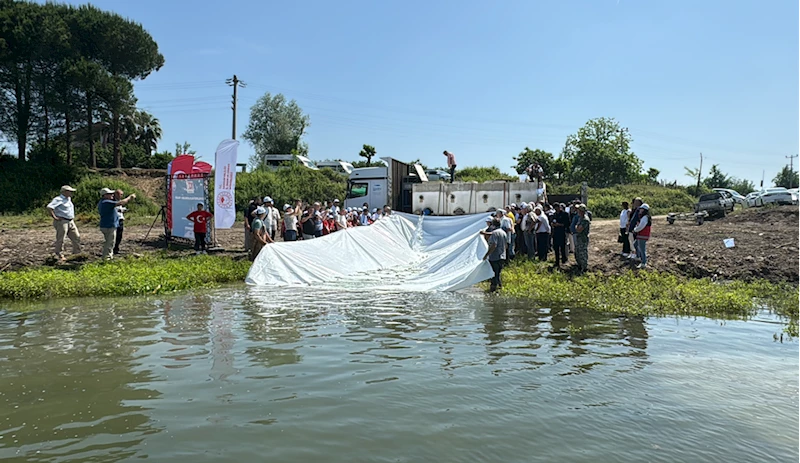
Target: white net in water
(402,252)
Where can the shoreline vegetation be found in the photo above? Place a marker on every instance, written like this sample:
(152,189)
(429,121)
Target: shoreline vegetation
(650,293)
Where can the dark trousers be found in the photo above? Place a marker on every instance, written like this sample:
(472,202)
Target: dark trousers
(626,244)
(290,235)
(560,247)
(542,245)
(199,241)
(452,173)
(497,267)
(120,229)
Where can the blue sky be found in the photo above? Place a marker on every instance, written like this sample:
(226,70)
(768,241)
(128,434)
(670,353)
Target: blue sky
(485,79)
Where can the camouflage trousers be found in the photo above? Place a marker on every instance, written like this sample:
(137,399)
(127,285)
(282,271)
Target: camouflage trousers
(582,253)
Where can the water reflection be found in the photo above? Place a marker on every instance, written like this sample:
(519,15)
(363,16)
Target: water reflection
(65,388)
(311,375)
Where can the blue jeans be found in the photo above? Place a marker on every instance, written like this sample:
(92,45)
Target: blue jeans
(641,250)
(290,235)
(510,250)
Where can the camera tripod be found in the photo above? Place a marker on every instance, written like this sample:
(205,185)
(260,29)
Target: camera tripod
(163,215)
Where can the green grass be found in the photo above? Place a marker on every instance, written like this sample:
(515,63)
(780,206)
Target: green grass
(649,293)
(152,274)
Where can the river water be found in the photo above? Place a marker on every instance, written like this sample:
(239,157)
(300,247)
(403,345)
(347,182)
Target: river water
(242,374)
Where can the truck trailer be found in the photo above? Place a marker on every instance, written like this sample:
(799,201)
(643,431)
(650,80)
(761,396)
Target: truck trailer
(405,187)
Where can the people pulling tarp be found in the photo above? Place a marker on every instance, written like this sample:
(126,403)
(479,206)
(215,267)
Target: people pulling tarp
(399,252)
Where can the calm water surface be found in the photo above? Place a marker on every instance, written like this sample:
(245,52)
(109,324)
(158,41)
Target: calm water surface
(243,375)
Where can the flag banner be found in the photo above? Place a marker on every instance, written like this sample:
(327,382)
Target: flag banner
(225,184)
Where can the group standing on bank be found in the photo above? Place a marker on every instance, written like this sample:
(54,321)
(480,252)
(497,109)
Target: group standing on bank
(528,230)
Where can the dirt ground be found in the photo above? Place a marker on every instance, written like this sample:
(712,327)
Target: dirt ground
(766,245)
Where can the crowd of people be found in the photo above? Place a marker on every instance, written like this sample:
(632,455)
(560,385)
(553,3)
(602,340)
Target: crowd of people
(301,221)
(533,230)
(525,230)
(635,223)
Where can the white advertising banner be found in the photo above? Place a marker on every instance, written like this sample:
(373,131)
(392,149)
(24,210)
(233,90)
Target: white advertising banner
(225,184)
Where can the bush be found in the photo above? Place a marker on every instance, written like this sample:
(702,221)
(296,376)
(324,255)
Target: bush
(88,195)
(30,185)
(606,202)
(287,184)
(483,174)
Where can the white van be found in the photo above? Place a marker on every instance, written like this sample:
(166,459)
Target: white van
(367,185)
(339,166)
(276,161)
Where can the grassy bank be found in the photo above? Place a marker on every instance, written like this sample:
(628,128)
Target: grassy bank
(649,293)
(152,274)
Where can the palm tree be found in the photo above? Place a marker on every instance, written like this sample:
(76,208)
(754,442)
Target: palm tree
(148,131)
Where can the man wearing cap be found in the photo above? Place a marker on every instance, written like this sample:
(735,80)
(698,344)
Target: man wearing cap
(62,211)
(272,219)
(335,209)
(109,219)
(496,254)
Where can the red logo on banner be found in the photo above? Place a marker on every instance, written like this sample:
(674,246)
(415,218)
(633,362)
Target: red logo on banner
(225,200)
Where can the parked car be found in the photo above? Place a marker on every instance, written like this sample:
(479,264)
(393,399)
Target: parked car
(774,196)
(751,198)
(715,204)
(437,174)
(794,193)
(737,198)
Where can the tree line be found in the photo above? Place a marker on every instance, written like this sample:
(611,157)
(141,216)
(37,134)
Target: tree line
(66,81)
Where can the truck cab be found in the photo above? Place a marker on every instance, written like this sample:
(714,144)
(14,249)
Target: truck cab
(367,185)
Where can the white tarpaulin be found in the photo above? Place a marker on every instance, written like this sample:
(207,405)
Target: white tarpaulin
(225,184)
(404,252)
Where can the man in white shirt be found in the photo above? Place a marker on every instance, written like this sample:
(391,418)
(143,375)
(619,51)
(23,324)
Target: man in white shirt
(121,210)
(272,219)
(335,209)
(542,228)
(62,211)
(528,221)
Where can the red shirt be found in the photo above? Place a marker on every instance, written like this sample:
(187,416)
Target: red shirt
(200,220)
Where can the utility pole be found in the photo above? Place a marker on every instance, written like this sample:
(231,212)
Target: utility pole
(699,173)
(791,169)
(235,83)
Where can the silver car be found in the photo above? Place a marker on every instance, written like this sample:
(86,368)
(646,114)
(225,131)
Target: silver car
(737,198)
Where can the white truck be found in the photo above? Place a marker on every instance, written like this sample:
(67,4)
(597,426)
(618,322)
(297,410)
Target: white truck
(406,188)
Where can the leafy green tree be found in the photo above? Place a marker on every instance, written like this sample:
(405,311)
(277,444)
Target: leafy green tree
(553,168)
(484,174)
(600,154)
(786,178)
(276,127)
(145,130)
(716,178)
(368,152)
(741,186)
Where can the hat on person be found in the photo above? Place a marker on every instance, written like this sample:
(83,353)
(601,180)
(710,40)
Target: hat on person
(374,210)
(513,205)
(523,205)
(267,199)
(336,200)
(581,207)
(68,188)
(645,206)
(260,210)
(106,191)
(501,211)
(286,206)
(490,218)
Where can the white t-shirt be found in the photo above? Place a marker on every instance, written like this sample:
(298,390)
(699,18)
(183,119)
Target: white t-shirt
(336,210)
(623,218)
(544,224)
(341,219)
(290,220)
